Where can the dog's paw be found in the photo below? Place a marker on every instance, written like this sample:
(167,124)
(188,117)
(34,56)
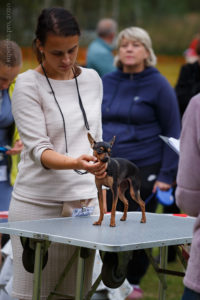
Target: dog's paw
(123,219)
(112,225)
(97,223)
(143,221)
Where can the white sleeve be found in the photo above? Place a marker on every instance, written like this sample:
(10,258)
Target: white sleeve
(30,118)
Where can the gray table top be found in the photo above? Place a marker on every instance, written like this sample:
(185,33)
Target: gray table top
(160,230)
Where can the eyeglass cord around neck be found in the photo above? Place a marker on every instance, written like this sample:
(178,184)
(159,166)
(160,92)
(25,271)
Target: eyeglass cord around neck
(63,119)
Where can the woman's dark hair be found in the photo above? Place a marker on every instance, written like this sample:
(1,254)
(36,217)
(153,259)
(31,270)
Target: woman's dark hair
(56,20)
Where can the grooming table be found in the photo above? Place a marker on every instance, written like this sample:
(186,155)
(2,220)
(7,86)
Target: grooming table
(161,230)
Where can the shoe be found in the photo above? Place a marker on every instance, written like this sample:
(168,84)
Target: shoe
(136,293)
(100,295)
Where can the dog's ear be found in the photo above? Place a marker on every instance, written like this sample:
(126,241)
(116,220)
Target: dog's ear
(112,141)
(91,140)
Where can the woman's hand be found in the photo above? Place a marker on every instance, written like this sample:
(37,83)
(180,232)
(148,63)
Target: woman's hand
(162,186)
(54,160)
(18,146)
(96,168)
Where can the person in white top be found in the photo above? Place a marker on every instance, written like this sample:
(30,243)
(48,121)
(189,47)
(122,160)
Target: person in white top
(54,107)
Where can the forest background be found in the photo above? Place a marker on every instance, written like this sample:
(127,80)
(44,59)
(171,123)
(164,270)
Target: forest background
(171,23)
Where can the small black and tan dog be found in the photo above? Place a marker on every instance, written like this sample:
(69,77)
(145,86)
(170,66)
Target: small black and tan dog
(121,175)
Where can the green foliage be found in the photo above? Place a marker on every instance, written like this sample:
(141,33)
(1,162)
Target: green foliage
(172,34)
(172,24)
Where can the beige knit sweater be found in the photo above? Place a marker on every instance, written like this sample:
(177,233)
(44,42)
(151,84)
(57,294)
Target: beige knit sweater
(41,127)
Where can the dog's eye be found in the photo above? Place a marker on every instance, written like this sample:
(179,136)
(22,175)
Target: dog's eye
(100,150)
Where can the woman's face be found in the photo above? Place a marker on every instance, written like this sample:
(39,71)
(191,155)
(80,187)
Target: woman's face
(60,55)
(132,55)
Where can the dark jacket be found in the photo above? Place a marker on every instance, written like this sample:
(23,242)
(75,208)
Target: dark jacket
(188,84)
(137,108)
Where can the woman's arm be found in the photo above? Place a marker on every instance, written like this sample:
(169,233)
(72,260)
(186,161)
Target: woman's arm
(53,160)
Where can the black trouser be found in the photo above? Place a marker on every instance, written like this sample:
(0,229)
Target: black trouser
(139,263)
(190,294)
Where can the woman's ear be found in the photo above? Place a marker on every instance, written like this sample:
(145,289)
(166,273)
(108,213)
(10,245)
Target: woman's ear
(147,54)
(146,57)
(39,46)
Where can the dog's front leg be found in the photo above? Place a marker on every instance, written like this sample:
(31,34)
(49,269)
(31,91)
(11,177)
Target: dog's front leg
(101,207)
(121,191)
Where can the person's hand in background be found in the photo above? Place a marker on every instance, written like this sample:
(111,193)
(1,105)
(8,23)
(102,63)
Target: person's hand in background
(18,146)
(162,186)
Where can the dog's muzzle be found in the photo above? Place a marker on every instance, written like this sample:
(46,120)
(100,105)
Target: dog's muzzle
(105,159)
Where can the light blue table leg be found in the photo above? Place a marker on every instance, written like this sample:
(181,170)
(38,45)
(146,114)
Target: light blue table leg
(163,265)
(80,277)
(37,271)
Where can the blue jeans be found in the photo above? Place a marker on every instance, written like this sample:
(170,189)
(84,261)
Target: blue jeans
(190,294)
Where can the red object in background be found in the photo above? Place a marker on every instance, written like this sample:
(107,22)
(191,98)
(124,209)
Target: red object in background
(180,215)
(3,214)
(190,53)
(193,45)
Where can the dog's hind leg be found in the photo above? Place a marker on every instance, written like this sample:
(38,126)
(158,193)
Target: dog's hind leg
(121,190)
(135,194)
(114,205)
(142,206)
(101,208)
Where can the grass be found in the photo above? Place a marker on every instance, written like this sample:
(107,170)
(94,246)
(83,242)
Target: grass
(169,67)
(150,283)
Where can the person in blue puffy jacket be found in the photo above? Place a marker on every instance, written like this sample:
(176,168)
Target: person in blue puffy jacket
(139,105)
